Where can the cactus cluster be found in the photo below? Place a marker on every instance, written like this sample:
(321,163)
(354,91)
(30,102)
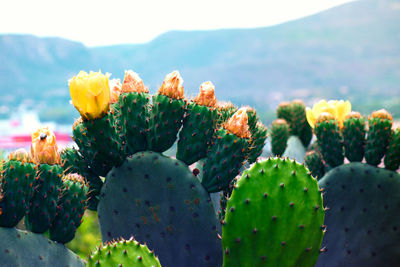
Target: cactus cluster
(165,203)
(362,198)
(34,186)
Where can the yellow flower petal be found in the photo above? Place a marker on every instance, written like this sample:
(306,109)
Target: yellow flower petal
(310,117)
(90,94)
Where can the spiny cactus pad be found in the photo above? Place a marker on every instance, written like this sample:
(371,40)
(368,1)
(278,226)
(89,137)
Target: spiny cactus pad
(165,121)
(279,136)
(159,201)
(22,248)
(73,162)
(196,134)
(16,191)
(363,218)
(129,253)
(42,207)
(99,135)
(132,120)
(224,160)
(70,208)
(274,217)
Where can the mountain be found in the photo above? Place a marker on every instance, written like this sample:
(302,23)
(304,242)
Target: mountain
(350,51)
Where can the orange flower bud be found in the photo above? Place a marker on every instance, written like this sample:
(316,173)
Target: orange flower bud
(133,83)
(172,86)
(238,124)
(44,147)
(382,113)
(325,116)
(206,97)
(353,114)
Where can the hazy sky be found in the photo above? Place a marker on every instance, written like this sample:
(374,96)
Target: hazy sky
(101,23)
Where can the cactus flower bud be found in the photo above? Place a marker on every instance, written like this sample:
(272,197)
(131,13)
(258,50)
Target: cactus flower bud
(115,90)
(90,94)
(353,114)
(325,116)
(382,114)
(238,124)
(20,154)
(44,147)
(172,86)
(206,96)
(77,178)
(133,83)
(338,109)
(222,105)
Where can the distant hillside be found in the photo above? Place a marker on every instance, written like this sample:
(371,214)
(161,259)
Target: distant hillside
(351,51)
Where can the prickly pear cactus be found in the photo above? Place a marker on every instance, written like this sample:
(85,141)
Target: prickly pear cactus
(153,197)
(123,253)
(363,216)
(363,200)
(274,217)
(22,248)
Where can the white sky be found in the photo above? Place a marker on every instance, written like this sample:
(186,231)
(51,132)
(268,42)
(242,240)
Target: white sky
(121,21)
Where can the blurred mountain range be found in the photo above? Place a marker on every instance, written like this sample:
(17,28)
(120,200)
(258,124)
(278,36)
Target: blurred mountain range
(347,52)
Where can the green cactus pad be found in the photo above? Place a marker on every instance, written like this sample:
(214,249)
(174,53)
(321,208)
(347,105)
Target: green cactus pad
(354,130)
(22,248)
(284,111)
(42,207)
(330,141)
(363,217)
(295,149)
(274,217)
(315,164)
(252,119)
(123,253)
(378,138)
(16,191)
(196,134)
(165,121)
(73,162)
(258,137)
(99,144)
(133,118)
(224,159)
(392,158)
(279,137)
(158,200)
(70,209)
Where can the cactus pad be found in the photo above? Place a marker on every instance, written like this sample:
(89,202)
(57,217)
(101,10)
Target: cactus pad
(123,253)
(363,217)
(168,209)
(22,248)
(16,191)
(273,217)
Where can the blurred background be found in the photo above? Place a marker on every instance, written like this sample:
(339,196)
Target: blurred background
(256,53)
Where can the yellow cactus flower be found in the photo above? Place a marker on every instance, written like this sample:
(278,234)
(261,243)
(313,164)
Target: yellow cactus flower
(44,147)
(238,124)
(172,86)
(206,97)
(222,105)
(115,90)
(90,94)
(133,83)
(338,109)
